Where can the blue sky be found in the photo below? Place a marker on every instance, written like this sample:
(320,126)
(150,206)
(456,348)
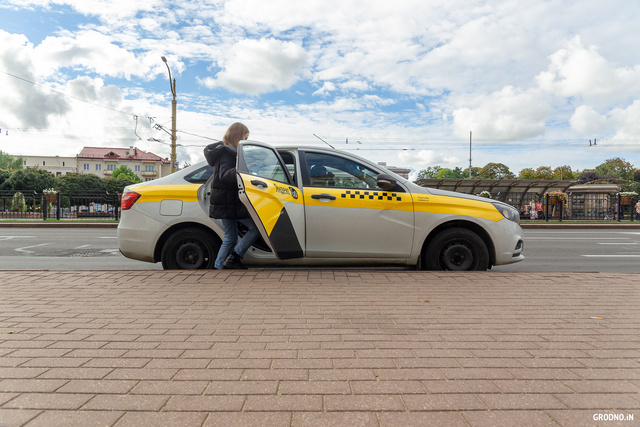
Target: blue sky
(409,79)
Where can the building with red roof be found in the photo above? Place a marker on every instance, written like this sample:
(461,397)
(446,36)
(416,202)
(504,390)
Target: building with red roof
(102,161)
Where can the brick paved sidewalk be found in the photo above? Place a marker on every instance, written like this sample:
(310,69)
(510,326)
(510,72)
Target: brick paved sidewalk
(306,348)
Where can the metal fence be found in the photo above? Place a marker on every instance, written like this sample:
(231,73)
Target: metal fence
(580,206)
(70,205)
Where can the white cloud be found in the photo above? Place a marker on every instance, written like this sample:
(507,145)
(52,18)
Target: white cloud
(627,124)
(259,66)
(93,51)
(24,102)
(409,71)
(355,85)
(111,10)
(326,89)
(588,121)
(426,158)
(581,71)
(507,115)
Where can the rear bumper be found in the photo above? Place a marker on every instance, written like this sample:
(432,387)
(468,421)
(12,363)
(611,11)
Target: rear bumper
(137,234)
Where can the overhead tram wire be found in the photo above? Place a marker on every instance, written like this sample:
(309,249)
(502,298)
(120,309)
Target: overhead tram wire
(422,145)
(135,116)
(66,95)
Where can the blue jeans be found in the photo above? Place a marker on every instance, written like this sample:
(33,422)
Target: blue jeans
(230,227)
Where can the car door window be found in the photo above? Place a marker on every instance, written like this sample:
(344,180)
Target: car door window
(289,163)
(264,163)
(200,176)
(326,170)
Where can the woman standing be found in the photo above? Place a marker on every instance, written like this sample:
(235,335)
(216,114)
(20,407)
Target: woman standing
(224,201)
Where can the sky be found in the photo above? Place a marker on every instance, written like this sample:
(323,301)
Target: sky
(413,83)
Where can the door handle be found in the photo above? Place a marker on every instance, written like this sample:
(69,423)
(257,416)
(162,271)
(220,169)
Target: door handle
(323,196)
(259,183)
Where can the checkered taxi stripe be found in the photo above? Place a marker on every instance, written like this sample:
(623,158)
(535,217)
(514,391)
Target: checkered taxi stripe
(371,195)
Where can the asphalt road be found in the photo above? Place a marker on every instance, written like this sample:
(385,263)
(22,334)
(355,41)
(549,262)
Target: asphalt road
(97,249)
(580,250)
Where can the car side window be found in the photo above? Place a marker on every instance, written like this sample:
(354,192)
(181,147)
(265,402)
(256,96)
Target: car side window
(264,163)
(289,163)
(199,176)
(326,170)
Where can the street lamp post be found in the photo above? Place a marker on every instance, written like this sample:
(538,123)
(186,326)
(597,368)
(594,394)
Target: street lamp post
(174,104)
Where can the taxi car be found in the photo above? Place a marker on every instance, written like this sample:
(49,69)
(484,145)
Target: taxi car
(317,206)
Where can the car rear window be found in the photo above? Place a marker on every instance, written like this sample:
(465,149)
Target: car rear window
(200,176)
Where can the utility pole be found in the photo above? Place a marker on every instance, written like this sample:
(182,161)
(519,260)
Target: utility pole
(174,104)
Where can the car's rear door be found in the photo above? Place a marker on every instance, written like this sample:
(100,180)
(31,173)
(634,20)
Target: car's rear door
(276,205)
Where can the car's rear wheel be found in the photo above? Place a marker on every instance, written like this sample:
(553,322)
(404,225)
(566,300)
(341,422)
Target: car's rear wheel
(189,249)
(456,249)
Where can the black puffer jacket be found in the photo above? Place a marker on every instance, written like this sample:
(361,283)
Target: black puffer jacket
(224,200)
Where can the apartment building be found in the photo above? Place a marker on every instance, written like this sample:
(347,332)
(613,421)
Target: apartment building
(102,161)
(57,165)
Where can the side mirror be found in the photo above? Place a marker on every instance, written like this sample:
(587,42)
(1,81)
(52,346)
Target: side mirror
(386,182)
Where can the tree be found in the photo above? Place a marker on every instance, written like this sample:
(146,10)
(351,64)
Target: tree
(31,180)
(495,171)
(544,172)
(587,175)
(446,173)
(615,168)
(475,171)
(123,172)
(116,185)
(527,173)
(563,172)
(9,162)
(429,172)
(79,182)
(4,179)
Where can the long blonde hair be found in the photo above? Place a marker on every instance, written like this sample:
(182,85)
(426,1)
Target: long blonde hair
(235,134)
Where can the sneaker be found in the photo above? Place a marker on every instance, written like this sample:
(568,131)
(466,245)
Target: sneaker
(233,262)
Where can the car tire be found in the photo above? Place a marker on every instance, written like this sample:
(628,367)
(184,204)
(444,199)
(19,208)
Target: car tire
(189,249)
(456,249)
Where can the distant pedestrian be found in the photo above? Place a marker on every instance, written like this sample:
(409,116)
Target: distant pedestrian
(638,211)
(224,201)
(532,210)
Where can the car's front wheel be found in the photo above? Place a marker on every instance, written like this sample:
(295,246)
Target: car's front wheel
(456,249)
(189,249)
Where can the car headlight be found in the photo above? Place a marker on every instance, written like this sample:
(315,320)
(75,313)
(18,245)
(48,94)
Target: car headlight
(508,212)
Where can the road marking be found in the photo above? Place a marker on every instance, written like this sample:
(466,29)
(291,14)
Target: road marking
(83,246)
(612,256)
(24,249)
(108,237)
(577,238)
(16,237)
(621,243)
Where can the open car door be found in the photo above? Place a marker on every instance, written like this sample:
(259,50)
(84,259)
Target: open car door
(275,204)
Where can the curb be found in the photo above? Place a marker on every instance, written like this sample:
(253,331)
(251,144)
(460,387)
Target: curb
(58,224)
(552,226)
(613,226)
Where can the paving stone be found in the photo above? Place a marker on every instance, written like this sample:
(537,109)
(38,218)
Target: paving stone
(75,418)
(317,347)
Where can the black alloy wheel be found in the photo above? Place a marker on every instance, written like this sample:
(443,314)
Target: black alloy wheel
(189,249)
(457,249)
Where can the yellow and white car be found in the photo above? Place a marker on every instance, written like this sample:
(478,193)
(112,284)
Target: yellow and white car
(318,207)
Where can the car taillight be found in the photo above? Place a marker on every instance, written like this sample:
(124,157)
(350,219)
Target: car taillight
(128,199)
